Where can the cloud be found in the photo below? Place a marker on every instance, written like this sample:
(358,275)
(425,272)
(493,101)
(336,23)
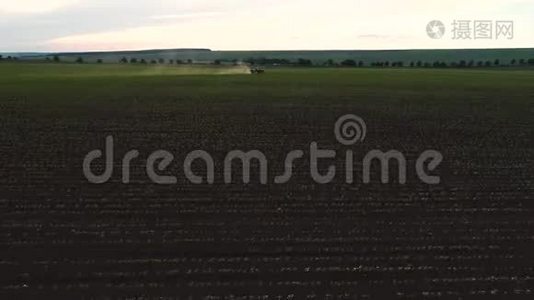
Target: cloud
(374,36)
(254,24)
(33,6)
(185,16)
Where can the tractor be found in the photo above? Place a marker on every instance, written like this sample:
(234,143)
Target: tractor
(256,70)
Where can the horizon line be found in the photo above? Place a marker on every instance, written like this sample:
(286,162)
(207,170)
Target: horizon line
(263,50)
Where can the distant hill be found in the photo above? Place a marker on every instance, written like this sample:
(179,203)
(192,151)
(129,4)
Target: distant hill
(23,54)
(318,57)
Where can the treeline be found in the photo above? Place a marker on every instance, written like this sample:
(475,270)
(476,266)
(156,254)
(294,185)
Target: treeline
(303,62)
(9,58)
(161,61)
(278,62)
(125,60)
(392,64)
(473,63)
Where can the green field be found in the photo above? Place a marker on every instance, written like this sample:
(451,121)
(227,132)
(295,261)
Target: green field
(114,238)
(475,92)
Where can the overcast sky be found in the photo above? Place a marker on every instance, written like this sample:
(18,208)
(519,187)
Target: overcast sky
(80,25)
